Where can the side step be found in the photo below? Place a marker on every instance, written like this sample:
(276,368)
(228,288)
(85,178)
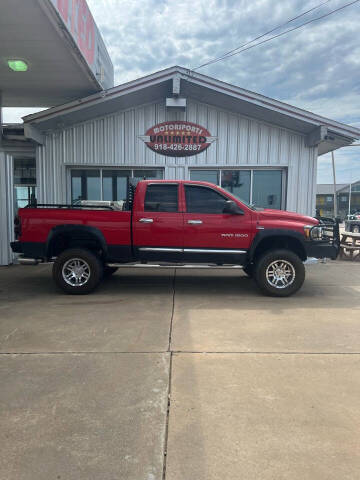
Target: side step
(150,265)
(29,261)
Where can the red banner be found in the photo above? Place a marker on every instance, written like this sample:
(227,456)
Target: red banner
(80,22)
(177,139)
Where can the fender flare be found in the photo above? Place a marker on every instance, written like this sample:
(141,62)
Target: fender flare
(273,233)
(59,230)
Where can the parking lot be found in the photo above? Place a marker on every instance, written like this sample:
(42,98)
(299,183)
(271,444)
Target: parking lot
(180,374)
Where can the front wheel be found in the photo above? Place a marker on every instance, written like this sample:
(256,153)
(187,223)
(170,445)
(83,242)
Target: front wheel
(356,229)
(77,271)
(279,273)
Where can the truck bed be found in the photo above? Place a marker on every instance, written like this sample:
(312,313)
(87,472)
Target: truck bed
(114,225)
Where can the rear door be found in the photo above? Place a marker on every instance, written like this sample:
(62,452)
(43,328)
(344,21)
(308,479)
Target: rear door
(211,236)
(158,223)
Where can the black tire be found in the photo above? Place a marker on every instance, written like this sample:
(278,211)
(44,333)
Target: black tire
(249,270)
(356,229)
(108,271)
(266,271)
(89,267)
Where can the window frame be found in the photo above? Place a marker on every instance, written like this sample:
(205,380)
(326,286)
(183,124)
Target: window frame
(85,167)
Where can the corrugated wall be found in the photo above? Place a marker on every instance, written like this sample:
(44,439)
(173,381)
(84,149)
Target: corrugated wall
(6,208)
(113,141)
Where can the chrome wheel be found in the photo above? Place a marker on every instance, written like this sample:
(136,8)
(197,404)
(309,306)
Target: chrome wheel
(76,272)
(280,274)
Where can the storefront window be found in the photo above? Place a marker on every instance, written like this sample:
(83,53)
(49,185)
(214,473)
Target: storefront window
(211,176)
(85,185)
(24,181)
(147,175)
(262,188)
(93,187)
(237,182)
(76,187)
(106,184)
(267,188)
(115,184)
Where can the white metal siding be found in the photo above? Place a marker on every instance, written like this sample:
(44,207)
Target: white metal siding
(113,141)
(6,208)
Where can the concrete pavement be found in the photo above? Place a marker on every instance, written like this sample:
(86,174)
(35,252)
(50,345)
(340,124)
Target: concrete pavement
(129,313)
(215,313)
(96,416)
(261,416)
(260,388)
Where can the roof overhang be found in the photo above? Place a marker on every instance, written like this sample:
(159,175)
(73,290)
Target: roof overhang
(62,47)
(319,131)
(15,141)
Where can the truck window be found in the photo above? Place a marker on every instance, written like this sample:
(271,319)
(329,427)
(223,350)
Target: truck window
(161,198)
(203,200)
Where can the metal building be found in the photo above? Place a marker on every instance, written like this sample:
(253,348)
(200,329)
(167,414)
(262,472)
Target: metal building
(174,124)
(51,52)
(347,199)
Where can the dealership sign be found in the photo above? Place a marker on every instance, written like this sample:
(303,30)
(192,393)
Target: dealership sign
(177,139)
(78,22)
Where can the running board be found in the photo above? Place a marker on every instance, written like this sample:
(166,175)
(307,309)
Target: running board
(151,265)
(29,261)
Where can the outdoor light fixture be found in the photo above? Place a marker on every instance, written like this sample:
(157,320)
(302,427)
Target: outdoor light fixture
(17,65)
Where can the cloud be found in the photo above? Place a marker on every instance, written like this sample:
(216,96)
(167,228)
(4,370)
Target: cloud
(316,67)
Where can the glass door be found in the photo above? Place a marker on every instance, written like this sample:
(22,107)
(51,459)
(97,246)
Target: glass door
(24,181)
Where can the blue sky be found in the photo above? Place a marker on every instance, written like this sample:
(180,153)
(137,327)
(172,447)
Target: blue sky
(316,68)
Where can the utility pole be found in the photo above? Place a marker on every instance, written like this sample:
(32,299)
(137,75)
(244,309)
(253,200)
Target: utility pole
(333,166)
(349,209)
(334,178)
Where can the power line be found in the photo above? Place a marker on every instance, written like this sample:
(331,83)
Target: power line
(262,35)
(240,49)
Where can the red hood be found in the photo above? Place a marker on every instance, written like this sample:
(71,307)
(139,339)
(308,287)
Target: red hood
(268,214)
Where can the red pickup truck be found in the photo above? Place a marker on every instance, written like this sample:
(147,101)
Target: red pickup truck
(182,224)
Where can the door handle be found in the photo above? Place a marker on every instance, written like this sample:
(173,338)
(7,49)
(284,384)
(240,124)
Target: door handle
(195,222)
(146,220)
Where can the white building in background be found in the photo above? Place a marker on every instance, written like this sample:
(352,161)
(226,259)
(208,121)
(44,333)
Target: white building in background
(173,124)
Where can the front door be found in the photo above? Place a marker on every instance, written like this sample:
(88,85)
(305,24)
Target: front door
(158,223)
(210,235)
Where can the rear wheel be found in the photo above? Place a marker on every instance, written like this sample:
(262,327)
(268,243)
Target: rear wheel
(279,273)
(77,271)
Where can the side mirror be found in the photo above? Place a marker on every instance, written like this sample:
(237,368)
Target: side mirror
(232,208)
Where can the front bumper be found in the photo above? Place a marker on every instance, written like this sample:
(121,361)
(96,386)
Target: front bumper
(329,245)
(322,250)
